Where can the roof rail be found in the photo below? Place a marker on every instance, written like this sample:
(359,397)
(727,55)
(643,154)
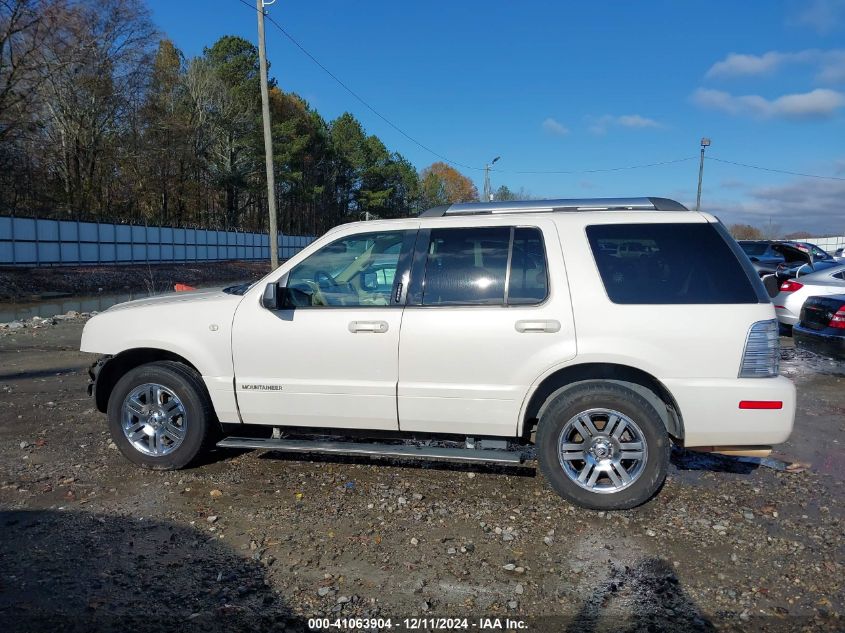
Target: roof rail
(539,206)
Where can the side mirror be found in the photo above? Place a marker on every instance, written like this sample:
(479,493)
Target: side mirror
(270,298)
(278,297)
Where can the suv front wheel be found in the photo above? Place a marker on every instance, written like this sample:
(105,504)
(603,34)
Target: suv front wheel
(160,415)
(603,446)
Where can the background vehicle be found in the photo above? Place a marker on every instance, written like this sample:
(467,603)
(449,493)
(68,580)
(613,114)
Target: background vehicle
(822,326)
(784,257)
(793,292)
(839,255)
(516,322)
(763,257)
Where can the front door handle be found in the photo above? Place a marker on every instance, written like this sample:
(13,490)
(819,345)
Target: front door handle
(528,326)
(374,327)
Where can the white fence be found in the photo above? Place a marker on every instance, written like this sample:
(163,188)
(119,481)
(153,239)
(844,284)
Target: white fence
(829,244)
(40,242)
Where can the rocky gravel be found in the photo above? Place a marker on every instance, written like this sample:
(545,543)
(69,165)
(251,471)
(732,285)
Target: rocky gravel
(264,541)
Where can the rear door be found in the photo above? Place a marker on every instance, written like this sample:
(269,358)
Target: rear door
(488,310)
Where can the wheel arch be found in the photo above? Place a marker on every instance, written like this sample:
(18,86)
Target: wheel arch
(117,366)
(636,379)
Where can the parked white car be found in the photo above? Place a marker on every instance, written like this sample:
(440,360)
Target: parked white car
(577,331)
(793,292)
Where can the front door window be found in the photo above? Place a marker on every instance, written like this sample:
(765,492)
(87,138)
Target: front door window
(359,270)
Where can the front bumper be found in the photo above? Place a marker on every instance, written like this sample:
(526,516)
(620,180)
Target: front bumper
(829,342)
(712,417)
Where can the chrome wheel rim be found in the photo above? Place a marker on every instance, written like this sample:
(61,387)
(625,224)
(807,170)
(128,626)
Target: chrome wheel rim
(602,450)
(154,419)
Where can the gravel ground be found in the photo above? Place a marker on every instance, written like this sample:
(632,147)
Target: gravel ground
(260,541)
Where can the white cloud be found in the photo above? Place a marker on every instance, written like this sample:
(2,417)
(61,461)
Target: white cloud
(737,64)
(816,104)
(830,64)
(824,16)
(555,127)
(600,125)
(800,205)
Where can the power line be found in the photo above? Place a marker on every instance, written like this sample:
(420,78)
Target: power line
(428,149)
(776,171)
(425,147)
(359,98)
(593,171)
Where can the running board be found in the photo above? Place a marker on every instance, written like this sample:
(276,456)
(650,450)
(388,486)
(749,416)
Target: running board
(376,450)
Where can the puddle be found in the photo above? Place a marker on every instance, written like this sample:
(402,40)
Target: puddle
(798,363)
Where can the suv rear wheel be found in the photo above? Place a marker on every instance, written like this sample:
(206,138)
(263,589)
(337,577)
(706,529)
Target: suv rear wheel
(603,446)
(160,415)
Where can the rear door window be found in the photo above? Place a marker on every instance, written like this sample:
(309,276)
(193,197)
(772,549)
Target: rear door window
(668,264)
(498,265)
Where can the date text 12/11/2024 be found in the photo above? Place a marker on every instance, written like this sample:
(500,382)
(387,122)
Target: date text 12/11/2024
(418,624)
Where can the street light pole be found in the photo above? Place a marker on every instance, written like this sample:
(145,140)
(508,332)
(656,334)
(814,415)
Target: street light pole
(268,136)
(488,194)
(705,142)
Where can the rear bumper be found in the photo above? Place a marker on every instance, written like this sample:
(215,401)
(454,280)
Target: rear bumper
(828,342)
(786,316)
(712,416)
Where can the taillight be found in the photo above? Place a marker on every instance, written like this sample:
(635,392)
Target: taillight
(838,319)
(761,356)
(791,286)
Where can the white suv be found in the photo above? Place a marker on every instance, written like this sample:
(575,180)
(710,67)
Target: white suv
(588,333)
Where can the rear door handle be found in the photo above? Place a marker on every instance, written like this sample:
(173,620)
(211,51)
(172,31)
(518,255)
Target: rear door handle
(374,327)
(528,326)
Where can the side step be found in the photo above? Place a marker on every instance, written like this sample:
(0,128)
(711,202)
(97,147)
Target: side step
(376,450)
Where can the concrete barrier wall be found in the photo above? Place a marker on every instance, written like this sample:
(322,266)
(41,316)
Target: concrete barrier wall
(829,244)
(41,242)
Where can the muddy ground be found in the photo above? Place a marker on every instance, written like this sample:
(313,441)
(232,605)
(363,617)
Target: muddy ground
(18,283)
(259,541)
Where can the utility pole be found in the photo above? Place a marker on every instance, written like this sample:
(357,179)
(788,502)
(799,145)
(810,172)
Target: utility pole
(268,137)
(488,193)
(705,142)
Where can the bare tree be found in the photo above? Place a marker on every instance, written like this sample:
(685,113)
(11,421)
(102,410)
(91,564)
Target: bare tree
(21,34)
(95,64)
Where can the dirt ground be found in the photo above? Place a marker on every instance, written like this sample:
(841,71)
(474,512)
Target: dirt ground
(259,541)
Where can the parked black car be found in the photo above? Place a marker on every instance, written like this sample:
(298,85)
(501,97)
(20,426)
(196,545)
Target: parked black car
(822,326)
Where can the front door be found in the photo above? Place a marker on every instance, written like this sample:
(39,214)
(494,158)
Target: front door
(333,360)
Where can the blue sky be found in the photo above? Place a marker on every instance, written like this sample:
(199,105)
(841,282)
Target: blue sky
(579,86)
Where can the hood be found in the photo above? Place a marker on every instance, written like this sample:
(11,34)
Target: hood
(173,298)
(793,254)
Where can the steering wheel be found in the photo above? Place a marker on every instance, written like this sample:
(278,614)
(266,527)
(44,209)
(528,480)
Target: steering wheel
(321,276)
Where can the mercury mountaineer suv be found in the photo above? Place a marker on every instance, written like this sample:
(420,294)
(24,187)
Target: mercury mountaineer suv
(589,335)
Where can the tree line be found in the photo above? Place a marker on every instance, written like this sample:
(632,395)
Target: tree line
(770,232)
(103,119)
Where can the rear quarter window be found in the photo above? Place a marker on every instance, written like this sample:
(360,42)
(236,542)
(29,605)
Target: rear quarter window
(669,264)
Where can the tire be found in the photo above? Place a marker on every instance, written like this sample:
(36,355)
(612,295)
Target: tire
(172,424)
(560,443)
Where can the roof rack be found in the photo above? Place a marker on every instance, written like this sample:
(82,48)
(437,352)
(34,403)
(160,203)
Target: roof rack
(540,206)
